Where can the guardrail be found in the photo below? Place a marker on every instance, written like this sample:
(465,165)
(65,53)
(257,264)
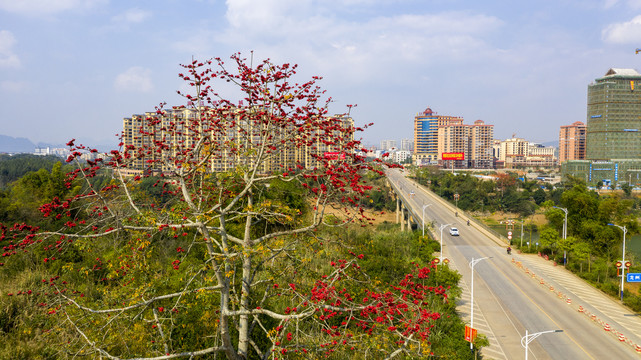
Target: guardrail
(498,238)
(400,194)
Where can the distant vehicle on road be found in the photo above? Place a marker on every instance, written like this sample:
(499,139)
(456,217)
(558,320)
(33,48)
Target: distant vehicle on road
(454,231)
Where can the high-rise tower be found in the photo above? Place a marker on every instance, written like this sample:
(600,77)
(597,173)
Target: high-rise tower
(614,116)
(572,142)
(426,126)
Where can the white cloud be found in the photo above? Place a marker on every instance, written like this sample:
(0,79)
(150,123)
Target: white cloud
(635,4)
(356,49)
(623,33)
(14,86)
(7,56)
(292,24)
(135,79)
(252,15)
(40,7)
(610,4)
(132,16)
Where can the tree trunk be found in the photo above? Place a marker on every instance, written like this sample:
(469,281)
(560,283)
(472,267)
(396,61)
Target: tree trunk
(243,323)
(225,333)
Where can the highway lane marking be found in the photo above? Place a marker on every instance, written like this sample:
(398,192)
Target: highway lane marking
(533,302)
(585,292)
(615,315)
(517,287)
(489,334)
(434,197)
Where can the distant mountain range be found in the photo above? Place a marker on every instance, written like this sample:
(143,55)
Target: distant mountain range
(12,145)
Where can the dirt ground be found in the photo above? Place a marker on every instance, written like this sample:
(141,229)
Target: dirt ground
(377,216)
(380,217)
(495,218)
(498,217)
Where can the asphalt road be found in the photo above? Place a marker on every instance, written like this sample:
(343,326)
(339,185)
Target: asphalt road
(515,293)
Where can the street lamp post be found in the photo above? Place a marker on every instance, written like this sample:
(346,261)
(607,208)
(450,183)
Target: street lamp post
(623,257)
(522,221)
(528,338)
(423,219)
(471,265)
(565,232)
(441,228)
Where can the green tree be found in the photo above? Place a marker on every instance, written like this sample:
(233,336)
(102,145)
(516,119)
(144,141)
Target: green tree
(601,237)
(627,189)
(232,263)
(549,238)
(21,201)
(14,167)
(539,196)
(566,245)
(582,251)
(556,217)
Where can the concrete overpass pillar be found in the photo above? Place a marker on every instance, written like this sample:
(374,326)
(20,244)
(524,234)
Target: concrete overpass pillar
(397,209)
(402,218)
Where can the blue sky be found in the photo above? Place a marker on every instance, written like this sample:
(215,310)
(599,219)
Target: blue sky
(75,68)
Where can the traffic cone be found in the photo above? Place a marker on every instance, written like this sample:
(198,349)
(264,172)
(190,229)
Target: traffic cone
(580,308)
(621,337)
(606,327)
(569,301)
(638,348)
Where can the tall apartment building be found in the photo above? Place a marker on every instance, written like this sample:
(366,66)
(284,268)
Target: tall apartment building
(454,138)
(496,149)
(474,141)
(388,144)
(426,126)
(572,142)
(407,145)
(512,152)
(481,139)
(614,116)
(180,129)
(613,134)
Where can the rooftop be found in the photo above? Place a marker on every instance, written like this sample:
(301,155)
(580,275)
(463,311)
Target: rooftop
(624,72)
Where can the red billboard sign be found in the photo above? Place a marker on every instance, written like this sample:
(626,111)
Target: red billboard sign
(334,155)
(453,156)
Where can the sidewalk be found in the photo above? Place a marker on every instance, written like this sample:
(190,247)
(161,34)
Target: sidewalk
(604,311)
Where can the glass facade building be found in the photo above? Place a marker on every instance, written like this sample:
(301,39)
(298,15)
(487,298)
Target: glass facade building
(614,116)
(613,134)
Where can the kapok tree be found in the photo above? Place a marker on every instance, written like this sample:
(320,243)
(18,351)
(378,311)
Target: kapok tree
(204,239)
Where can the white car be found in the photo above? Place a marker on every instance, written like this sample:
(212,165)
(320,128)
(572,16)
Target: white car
(454,231)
